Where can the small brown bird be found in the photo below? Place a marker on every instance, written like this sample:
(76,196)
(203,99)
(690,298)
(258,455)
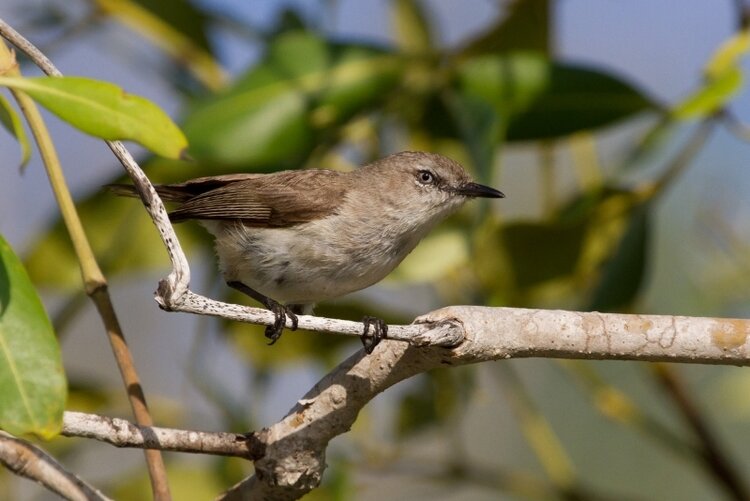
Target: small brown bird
(294,238)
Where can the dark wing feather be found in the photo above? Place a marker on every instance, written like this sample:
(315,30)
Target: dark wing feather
(182,192)
(222,203)
(281,199)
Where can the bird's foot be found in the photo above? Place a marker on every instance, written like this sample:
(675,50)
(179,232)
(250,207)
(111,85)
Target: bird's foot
(280,311)
(379,332)
(273,332)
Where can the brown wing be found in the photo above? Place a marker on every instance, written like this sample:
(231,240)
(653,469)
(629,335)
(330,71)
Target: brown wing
(182,192)
(281,199)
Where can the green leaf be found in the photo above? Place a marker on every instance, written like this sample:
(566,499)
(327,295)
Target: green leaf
(272,115)
(623,274)
(297,54)
(32,383)
(524,25)
(544,99)
(104,110)
(261,123)
(10,120)
(540,252)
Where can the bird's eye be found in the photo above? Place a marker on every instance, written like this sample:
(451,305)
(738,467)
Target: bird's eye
(425,177)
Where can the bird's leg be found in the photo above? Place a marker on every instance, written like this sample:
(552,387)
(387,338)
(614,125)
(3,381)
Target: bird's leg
(379,332)
(273,332)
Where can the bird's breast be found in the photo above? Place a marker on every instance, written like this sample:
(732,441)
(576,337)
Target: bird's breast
(314,261)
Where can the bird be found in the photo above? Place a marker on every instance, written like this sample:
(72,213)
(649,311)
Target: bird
(293,238)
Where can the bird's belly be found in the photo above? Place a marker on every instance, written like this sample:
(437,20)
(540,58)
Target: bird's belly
(300,267)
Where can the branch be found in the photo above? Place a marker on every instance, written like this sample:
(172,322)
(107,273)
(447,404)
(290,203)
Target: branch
(27,460)
(290,455)
(123,433)
(294,448)
(441,333)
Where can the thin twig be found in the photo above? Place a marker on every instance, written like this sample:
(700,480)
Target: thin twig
(445,333)
(30,461)
(123,433)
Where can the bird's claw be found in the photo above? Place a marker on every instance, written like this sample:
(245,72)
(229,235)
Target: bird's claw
(380,332)
(281,312)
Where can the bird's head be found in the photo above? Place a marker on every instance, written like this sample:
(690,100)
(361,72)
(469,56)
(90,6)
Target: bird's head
(426,183)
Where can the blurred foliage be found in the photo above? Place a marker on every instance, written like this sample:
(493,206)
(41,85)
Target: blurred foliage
(524,27)
(316,101)
(723,79)
(435,398)
(187,481)
(543,99)
(175,26)
(302,91)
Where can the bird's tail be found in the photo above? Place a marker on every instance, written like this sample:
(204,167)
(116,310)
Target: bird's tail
(165,191)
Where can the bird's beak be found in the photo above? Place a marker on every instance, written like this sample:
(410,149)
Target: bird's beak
(474,190)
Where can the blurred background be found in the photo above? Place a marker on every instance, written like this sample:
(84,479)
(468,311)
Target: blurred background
(618,131)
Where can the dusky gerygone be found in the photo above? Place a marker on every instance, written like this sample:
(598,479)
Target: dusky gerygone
(293,238)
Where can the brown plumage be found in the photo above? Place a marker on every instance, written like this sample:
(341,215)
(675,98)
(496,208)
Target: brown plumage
(277,200)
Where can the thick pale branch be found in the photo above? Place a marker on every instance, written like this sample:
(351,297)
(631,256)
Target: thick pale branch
(295,447)
(290,455)
(27,460)
(495,333)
